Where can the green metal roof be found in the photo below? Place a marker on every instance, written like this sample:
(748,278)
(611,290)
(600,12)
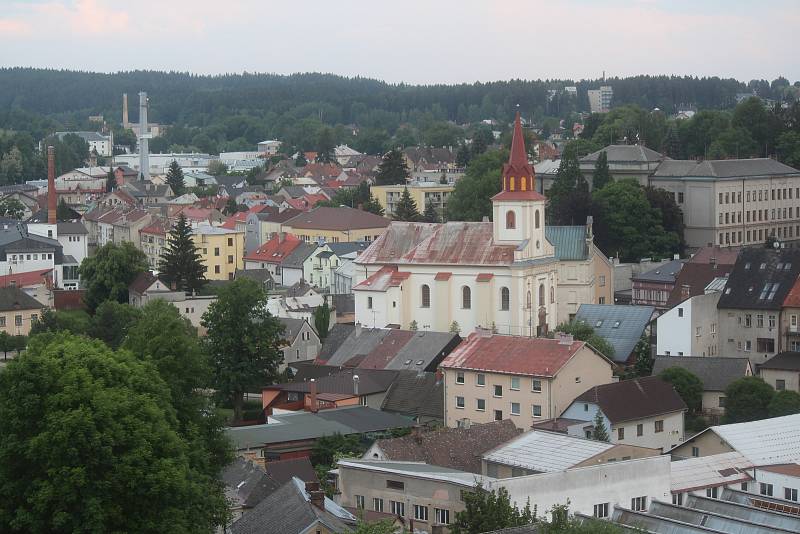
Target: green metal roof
(568,241)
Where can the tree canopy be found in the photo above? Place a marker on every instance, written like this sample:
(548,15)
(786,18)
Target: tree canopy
(393,169)
(181,263)
(784,402)
(406,208)
(486,511)
(175,178)
(470,200)
(747,399)
(687,385)
(583,331)
(107,274)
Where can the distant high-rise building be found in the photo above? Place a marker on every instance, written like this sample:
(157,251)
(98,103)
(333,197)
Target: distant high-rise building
(600,99)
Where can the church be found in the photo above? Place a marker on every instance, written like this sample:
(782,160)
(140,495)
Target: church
(513,274)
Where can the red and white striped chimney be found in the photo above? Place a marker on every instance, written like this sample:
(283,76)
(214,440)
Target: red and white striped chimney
(51,185)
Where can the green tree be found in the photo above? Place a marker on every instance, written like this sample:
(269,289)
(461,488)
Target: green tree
(230,206)
(167,340)
(687,385)
(6,344)
(463,156)
(111,182)
(181,264)
(393,169)
(643,357)
(63,212)
(385,526)
(599,432)
(406,208)
(568,199)
(471,198)
(107,274)
(671,213)
(175,178)
(217,168)
(98,453)
(455,328)
(322,319)
(51,321)
(430,215)
(582,331)
(413,325)
(111,322)
(325,145)
(747,399)
(602,175)
(784,402)
(300,160)
(11,166)
(486,511)
(12,208)
(244,341)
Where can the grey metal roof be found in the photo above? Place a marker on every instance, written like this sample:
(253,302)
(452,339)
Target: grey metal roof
(625,154)
(345,248)
(416,395)
(291,327)
(336,336)
(13,298)
(360,341)
(247,482)
(751,514)
(430,348)
(299,255)
(621,326)
(785,361)
(71,228)
(546,452)
(307,425)
(569,242)
(726,168)
(663,273)
(715,372)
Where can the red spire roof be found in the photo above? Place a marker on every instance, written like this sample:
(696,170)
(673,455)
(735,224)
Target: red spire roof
(519,180)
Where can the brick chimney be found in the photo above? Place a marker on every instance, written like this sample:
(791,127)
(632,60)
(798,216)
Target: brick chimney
(51,185)
(317,496)
(312,391)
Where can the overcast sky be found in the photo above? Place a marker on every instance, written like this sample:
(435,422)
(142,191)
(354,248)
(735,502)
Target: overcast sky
(416,41)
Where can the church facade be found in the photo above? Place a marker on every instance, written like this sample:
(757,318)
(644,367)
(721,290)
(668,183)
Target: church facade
(502,275)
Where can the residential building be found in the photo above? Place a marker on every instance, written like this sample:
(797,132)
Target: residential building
(454,448)
(293,266)
(147,287)
(733,202)
(789,322)
(621,326)
(264,223)
(600,99)
(585,274)
(646,412)
(715,372)
(501,274)
(272,254)
(269,147)
(296,507)
(101,144)
(18,311)
(342,276)
(153,241)
(421,193)
(782,371)
(751,303)
(148,193)
(493,377)
(302,341)
(37,284)
(653,288)
(704,267)
(708,476)
(124,174)
(336,225)
(221,250)
(690,328)
(116,225)
(635,162)
(159,163)
(23,252)
(533,452)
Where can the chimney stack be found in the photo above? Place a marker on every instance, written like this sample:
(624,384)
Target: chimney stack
(125,123)
(312,391)
(51,185)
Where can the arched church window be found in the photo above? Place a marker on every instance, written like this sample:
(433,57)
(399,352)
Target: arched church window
(466,297)
(426,296)
(536,219)
(528,301)
(511,184)
(541,295)
(505,299)
(552,294)
(511,219)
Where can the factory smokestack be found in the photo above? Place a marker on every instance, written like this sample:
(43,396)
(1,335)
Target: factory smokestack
(51,185)
(144,136)
(125,123)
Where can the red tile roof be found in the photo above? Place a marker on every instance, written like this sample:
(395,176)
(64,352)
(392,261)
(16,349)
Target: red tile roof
(386,349)
(157,227)
(30,278)
(307,201)
(442,276)
(792,299)
(385,277)
(275,250)
(484,277)
(518,195)
(722,256)
(197,214)
(512,355)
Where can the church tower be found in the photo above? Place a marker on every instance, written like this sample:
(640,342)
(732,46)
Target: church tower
(518,210)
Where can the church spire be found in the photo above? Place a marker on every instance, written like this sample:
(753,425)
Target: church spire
(518,174)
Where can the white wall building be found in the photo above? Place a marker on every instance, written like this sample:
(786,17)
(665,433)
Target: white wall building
(690,328)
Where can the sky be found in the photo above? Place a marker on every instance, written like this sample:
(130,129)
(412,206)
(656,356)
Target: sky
(413,41)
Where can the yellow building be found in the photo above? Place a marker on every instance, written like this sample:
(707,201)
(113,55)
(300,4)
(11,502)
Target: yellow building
(221,249)
(336,225)
(18,311)
(421,192)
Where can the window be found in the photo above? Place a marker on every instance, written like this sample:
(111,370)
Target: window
(505,299)
(639,504)
(511,220)
(466,298)
(677,499)
(481,380)
(659,426)
(712,493)
(426,296)
(34,318)
(394,484)
(398,508)
(536,410)
(765,489)
(2,322)
(216,251)
(369,303)
(772,321)
(680,198)
(460,377)
(18,320)
(441,516)
(764,344)
(601,510)
(460,402)
(748,345)
(621,433)
(640,430)
(541,295)
(498,415)
(722,402)
(536,219)
(359,502)
(230,241)
(602,280)
(515,383)
(498,390)
(780,385)
(680,312)
(760,321)
(216,269)
(420,512)
(514,408)
(230,259)
(695,451)
(748,320)
(743,486)
(536,385)
(377,504)
(790,494)
(480,405)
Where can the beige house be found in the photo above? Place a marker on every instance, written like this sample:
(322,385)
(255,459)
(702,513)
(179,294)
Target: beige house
(153,241)
(421,192)
(782,371)
(336,225)
(18,311)
(493,377)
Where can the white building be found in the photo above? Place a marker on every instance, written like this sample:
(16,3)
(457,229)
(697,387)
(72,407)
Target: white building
(159,163)
(600,99)
(269,147)
(102,144)
(690,328)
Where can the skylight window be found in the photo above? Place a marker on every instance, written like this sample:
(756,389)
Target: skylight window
(763,266)
(765,291)
(616,324)
(780,266)
(598,324)
(773,291)
(727,291)
(787,266)
(747,266)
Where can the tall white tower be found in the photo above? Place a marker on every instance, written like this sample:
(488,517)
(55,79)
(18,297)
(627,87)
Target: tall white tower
(144,135)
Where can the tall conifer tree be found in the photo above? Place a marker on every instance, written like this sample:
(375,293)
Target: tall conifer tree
(175,178)
(181,264)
